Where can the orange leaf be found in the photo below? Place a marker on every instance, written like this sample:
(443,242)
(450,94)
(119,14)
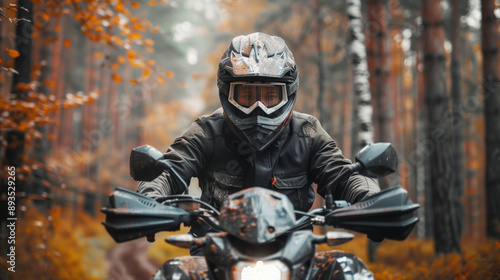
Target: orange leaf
(119,7)
(94,94)
(183,85)
(49,83)
(146,73)
(153,3)
(137,63)
(98,54)
(116,78)
(67,43)
(12,53)
(130,54)
(135,5)
(155,30)
(148,42)
(114,66)
(134,81)
(45,16)
(57,29)
(24,87)
(135,36)
(160,80)
(170,74)
(151,62)
(121,59)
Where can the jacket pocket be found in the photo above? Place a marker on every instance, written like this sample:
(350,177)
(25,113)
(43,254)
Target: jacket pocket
(225,179)
(291,182)
(295,187)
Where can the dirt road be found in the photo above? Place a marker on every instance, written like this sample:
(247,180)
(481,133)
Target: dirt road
(128,261)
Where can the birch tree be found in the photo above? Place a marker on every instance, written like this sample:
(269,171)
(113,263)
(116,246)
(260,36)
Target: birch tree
(361,75)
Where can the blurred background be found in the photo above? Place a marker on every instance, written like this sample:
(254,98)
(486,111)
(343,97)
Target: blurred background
(83,82)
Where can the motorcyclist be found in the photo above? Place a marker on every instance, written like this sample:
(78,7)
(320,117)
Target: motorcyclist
(256,139)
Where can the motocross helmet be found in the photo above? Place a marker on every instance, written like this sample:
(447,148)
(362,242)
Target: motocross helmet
(258,81)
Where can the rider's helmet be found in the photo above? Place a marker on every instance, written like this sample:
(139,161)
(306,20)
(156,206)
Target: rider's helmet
(258,81)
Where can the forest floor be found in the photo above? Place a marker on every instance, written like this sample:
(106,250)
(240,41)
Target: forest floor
(414,259)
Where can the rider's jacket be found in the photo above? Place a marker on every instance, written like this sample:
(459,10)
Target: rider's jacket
(303,154)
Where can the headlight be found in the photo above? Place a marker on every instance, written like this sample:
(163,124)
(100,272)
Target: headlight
(271,270)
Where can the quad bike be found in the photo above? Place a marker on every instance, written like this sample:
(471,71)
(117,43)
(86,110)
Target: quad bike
(257,234)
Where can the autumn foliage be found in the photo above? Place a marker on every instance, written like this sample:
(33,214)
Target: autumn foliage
(38,105)
(58,246)
(414,259)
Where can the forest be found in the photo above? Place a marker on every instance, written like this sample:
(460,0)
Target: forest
(83,82)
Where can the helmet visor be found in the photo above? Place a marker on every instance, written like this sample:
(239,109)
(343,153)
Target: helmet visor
(248,96)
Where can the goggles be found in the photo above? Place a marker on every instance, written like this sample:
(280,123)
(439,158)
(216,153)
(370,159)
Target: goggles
(248,96)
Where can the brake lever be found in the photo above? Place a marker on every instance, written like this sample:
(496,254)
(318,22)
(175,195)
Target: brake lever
(176,199)
(335,204)
(208,219)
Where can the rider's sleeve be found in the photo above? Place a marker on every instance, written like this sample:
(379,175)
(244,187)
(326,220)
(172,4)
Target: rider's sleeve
(187,155)
(328,169)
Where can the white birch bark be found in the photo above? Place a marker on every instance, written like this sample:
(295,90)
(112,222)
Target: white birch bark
(357,51)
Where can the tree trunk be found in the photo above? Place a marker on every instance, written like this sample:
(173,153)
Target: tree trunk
(458,117)
(383,108)
(15,138)
(377,65)
(58,79)
(475,148)
(24,28)
(491,84)
(417,157)
(439,133)
(360,73)
(41,55)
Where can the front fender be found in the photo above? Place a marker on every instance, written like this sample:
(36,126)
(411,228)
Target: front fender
(183,268)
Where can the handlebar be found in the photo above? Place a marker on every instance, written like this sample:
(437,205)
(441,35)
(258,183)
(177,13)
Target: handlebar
(174,199)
